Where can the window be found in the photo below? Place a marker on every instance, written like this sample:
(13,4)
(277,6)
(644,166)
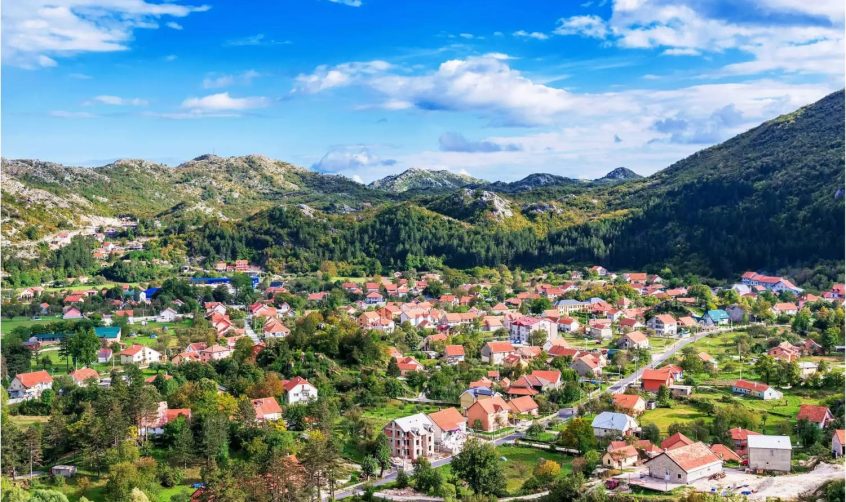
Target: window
(679,475)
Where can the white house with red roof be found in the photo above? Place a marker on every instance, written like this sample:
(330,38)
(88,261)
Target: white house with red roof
(82,376)
(30,385)
(154,425)
(633,340)
(140,355)
(267,409)
(838,443)
(299,390)
(663,325)
(685,464)
(773,283)
(496,352)
(819,415)
(454,354)
(450,430)
(520,330)
(755,389)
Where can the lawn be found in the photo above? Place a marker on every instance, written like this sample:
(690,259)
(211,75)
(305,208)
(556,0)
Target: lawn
(679,413)
(519,463)
(395,409)
(778,411)
(7,325)
(27,420)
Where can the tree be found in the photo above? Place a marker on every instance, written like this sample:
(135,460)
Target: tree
(651,432)
(33,447)
(808,433)
(369,466)
(578,435)
(321,461)
(383,454)
(178,434)
(426,479)
(393,368)
(767,368)
(663,396)
(402,479)
(82,346)
(47,496)
(546,471)
(477,464)
(566,488)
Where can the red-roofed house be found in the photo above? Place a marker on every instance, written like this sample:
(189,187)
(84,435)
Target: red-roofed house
(30,385)
(819,415)
(450,429)
(663,325)
(632,340)
(267,409)
(523,405)
(755,389)
(677,440)
(488,414)
(495,352)
(630,404)
(685,464)
(155,424)
(838,443)
(454,354)
(299,390)
(620,458)
(652,380)
(83,375)
(725,453)
(408,365)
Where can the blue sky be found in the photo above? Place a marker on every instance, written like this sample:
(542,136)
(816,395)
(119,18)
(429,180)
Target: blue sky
(493,88)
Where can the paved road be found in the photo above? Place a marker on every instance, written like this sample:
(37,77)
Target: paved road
(620,385)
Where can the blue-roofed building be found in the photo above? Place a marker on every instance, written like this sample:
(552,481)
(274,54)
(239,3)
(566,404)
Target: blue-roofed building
(717,317)
(473,394)
(110,333)
(148,294)
(47,337)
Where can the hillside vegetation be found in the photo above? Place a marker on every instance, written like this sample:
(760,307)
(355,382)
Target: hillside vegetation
(770,198)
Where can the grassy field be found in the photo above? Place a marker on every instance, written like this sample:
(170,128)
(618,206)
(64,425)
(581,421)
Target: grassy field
(7,325)
(519,463)
(679,413)
(778,411)
(380,416)
(27,420)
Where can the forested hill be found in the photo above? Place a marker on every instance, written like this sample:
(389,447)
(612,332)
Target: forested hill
(768,198)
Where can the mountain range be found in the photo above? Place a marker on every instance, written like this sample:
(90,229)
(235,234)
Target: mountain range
(770,198)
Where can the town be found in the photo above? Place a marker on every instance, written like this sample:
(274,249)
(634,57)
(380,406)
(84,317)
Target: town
(226,382)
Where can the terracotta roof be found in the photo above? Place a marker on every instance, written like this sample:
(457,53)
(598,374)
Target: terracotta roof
(626,401)
(627,451)
(753,386)
(636,336)
(659,375)
(266,406)
(677,440)
(172,414)
(551,376)
(492,405)
(290,384)
(725,453)
(813,413)
(740,434)
(500,347)
(523,404)
(34,378)
(83,374)
(647,446)
(131,351)
(454,350)
(692,456)
(841,435)
(448,419)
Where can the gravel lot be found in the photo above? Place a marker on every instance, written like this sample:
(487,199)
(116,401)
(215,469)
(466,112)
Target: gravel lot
(786,486)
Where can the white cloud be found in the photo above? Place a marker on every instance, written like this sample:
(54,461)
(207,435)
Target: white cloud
(64,114)
(214,81)
(537,35)
(258,39)
(80,76)
(327,77)
(118,101)
(350,3)
(214,105)
(171,58)
(345,159)
(795,44)
(484,85)
(36,32)
(588,26)
(173,25)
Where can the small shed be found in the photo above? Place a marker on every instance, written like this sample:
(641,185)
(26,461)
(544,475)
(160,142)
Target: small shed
(65,471)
